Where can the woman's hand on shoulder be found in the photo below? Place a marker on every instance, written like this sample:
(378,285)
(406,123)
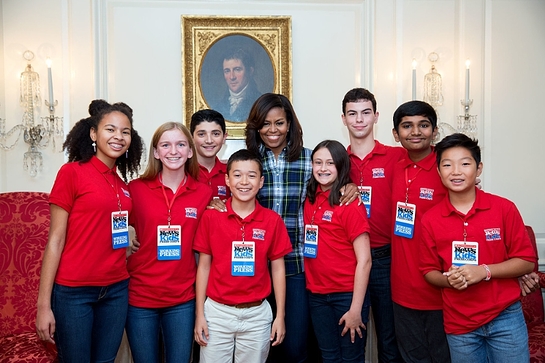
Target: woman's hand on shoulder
(217,204)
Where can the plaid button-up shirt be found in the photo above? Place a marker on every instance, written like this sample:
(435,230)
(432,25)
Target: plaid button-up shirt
(284,191)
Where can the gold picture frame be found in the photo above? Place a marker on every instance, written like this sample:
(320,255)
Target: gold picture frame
(208,42)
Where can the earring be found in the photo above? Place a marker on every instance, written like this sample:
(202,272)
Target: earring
(127,154)
(94,144)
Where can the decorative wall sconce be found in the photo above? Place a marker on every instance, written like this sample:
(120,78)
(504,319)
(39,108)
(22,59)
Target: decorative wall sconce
(37,136)
(433,94)
(433,84)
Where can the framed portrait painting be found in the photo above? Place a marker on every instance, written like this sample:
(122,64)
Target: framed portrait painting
(228,62)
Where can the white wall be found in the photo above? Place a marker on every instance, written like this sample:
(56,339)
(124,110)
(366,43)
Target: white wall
(130,51)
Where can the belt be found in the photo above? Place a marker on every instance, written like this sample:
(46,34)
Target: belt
(381,252)
(248,305)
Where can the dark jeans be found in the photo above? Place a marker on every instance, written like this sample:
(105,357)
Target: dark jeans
(294,347)
(89,321)
(325,311)
(382,308)
(421,335)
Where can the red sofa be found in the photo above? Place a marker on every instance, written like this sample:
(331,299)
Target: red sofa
(24,227)
(532,306)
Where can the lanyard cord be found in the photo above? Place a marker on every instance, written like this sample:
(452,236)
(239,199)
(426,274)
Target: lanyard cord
(114,188)
(171,202)
(408,182)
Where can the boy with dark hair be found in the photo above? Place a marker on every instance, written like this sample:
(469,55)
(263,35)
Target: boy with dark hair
(418,314)
(233,318)
(475,245)
(371,168)
(209,134)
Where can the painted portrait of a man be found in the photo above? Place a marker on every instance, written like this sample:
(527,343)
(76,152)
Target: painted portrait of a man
(235,72)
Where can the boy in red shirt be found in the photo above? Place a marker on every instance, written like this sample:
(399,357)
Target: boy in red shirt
(475,246)
(209,134)
(371,168)
(416,187)
(235,319)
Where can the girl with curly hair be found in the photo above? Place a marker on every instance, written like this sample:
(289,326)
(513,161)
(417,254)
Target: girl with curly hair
(83,297)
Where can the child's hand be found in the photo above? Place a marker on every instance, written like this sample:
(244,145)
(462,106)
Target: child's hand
(529,283)
(352,321)
(217,204)
(201,331)
(455,279)
(349,193)
(473,273)
(278,331)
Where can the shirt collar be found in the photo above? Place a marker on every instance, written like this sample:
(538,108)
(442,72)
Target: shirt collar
(482,202)
(101,167)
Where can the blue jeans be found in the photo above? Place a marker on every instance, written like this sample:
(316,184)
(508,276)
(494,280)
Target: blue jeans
(294,347)
(89,321)
(175,324)
(503,340)
(325,311)
(383,311)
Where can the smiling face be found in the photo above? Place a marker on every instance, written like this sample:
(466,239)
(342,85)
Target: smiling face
(208,138)
(173,149)
(236,75)
(359,118)
(323,168)
(112,137)
(459,170)
(244,179)
(416,135)
(274,131)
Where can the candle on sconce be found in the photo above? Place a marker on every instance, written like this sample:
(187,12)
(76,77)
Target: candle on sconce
(414,78)
(467,81)
(50,79)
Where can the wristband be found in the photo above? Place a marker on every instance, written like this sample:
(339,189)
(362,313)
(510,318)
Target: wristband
(488,274)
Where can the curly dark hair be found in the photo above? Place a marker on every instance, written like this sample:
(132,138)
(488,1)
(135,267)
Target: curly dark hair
(78,142)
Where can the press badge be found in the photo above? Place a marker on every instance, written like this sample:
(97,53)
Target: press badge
(405,216)
(169,243)
(465,253)
(365,194)
(243,258)
(310,248)
(120,229)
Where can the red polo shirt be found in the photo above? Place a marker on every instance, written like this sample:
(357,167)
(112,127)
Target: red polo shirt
(217,231)
(154,283)
(376,170)
(87,191)
(496,225)
(425,189)
(215,179)
(335,264)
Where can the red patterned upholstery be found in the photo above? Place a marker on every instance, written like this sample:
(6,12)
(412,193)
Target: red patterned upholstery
(24,227)
(532,306)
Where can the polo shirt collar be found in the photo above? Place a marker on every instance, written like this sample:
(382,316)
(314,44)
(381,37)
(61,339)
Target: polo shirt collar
(101,167)
(256,215)
(428,163)
(218,168)
(378,149)
(482,202)
(189,184)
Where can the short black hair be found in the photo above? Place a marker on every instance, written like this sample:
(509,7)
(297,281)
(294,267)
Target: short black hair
(206,116)
(415,108)
(458,140)
(244,155)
